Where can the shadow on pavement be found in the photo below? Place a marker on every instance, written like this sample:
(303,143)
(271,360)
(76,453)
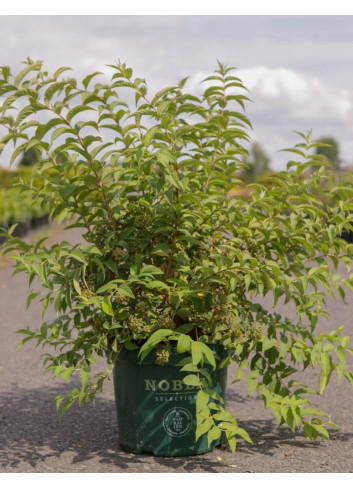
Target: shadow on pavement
(31,431)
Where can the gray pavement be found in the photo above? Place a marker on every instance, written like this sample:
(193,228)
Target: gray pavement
(34,438)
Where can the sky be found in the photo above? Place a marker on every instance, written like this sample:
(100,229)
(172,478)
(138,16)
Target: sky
(298,68)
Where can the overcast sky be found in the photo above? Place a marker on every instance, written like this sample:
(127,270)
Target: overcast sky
(299,69)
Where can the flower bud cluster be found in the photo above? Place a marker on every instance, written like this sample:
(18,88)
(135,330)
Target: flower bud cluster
(87,292)
(162,357)
(142,308)
(121,298)
(220,312)
(137,324)
(119,253)
(236,332)
(256,331)
(165,320)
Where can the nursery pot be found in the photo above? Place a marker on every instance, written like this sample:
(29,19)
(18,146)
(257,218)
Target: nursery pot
(156,411)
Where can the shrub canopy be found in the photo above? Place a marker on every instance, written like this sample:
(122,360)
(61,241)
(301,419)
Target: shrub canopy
(171,256)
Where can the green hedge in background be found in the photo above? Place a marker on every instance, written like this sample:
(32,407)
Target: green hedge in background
(16,206)
(8,178)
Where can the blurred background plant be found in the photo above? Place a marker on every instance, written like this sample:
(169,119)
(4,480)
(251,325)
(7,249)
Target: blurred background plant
(16,205)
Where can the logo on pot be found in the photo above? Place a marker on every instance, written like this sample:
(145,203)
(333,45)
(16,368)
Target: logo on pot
(177,421)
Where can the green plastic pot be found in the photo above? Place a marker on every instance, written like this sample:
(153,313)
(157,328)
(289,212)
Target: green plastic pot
(156,411)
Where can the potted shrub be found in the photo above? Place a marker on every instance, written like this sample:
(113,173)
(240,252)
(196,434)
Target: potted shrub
(167,280)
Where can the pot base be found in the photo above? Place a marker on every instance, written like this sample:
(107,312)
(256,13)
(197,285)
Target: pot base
(156,411)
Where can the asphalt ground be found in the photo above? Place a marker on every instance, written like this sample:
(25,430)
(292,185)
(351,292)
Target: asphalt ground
(35,439)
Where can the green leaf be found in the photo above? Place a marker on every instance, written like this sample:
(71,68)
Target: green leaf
(29,110)
(150,134)
(77,287)
(21,75)
(323,380)
(228,427)
(232,442)
(76,110)
(157,284)
(151,269)
(312,411)
(90,249)
(184,342)
(244,434)
(162,249)
(46,302)
(78,255)
(19,150)
(68,190)
(213,434)
(107,306)
(52,89)
(173,179)
(321,429)
(31,297)
(204,427)
(59,132)
(327,367)
(201,401)
(165,157)
(100,148)
(66,406)
(155,338)
(196,352)
(192,380)
(206,350)
(125,290)
(61,70)
(88,78)
(252,386)
(68,372)
(85,374)
(222,415)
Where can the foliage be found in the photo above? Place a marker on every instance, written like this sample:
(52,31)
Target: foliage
(8,178)
(329,148)
(29,158)
(169,259)
(17,206)
(257,163)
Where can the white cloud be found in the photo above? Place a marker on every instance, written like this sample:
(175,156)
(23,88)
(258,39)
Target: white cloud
(303,97)
(273,82)
(299,96)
